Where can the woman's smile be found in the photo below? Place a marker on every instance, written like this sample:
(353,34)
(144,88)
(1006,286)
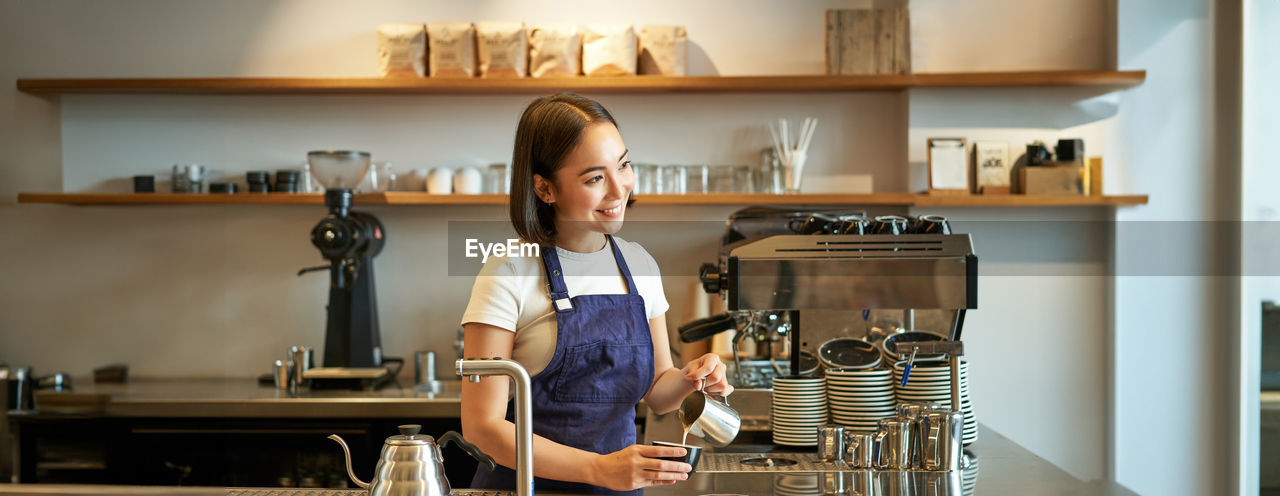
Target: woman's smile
(612,213)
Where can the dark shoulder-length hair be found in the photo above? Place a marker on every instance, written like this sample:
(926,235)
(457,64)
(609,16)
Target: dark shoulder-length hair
(549,129)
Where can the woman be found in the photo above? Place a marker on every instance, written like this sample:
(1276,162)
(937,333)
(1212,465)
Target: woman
(592,335)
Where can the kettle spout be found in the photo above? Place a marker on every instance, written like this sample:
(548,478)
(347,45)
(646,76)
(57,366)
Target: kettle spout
(347,452)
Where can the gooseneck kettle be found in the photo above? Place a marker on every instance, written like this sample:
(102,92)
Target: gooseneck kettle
(411,464)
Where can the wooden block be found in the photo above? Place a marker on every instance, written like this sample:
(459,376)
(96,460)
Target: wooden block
(868,41)
(1094,166)
(1053,180)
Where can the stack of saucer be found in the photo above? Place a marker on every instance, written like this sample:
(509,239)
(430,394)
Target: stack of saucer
(930,380)
(799,407)
(969,477)
(860,398)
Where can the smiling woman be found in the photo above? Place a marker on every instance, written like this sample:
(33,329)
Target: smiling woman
(554,129)
(586,317)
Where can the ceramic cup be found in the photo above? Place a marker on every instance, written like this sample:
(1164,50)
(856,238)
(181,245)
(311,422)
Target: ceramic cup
(468,181)
(691,454)
(440,181)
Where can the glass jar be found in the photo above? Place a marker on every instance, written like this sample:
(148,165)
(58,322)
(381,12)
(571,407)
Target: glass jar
(721,179)
(744,180)
(671,180)
(383,176)
(645,178)
(769,174)
(496,180)
(695,178)
(188,178)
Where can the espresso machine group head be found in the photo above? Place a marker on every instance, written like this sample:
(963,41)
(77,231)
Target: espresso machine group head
(348,240)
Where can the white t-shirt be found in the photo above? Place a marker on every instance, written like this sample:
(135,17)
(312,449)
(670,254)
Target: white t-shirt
(511,293)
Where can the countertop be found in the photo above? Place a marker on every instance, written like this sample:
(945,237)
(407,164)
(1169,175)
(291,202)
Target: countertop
(1003,467)
(245,398)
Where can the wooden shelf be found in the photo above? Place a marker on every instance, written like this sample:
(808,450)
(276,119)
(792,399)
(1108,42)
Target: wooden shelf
(411,198)
(1028,201)
(1107,80)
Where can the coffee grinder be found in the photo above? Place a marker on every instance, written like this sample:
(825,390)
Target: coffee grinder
(349,240)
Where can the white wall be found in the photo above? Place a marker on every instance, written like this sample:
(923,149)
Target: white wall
(1260,209)
(1172,328)
(210,291)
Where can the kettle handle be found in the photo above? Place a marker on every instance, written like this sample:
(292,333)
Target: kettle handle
(471,449)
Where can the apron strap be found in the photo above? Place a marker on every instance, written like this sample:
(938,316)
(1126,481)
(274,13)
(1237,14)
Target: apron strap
(555,276)
(622,265)
(555,281)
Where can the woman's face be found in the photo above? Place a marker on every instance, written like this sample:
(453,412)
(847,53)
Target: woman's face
(591,188)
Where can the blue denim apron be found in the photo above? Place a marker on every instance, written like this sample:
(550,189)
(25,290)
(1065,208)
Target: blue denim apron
(602,367)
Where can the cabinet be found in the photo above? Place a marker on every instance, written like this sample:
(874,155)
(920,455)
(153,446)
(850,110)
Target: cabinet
(218,452)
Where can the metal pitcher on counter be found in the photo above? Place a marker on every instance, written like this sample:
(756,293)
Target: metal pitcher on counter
(893,441)
(940,440)
(411,464)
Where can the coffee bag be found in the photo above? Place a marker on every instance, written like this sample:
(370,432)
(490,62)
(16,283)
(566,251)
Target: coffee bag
(402,50)
(609,50)
(452,49)
(555,50)
(502,48)
(664,50)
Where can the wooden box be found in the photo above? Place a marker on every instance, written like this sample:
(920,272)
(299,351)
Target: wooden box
(1066,179)
(868,41)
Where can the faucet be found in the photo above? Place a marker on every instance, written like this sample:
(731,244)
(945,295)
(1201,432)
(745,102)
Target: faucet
(472,369)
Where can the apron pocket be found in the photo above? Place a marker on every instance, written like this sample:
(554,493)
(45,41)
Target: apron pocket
(603,372)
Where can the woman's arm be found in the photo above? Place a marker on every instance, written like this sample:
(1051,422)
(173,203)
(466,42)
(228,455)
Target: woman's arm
(484,409)
(671,385)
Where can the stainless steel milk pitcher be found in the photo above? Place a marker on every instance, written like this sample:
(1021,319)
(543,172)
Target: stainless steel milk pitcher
(894,438)
(858,449)
(941,441)
(710,419)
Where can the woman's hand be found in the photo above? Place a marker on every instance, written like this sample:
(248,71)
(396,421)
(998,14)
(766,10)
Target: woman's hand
(708,371)
(636,466)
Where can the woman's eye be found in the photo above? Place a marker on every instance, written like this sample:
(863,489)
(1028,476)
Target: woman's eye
(595,179)
(625,164)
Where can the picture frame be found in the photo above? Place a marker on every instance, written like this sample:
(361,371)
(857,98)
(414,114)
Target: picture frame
(948,166)
(992,167)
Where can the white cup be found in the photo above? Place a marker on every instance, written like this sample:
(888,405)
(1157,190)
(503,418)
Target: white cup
(468,181)
(440,181)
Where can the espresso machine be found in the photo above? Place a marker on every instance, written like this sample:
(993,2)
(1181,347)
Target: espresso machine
(348,240)
(798,262)
(782,260)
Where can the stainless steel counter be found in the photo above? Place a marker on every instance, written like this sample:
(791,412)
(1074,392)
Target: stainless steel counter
(244,398)
(1003,468)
